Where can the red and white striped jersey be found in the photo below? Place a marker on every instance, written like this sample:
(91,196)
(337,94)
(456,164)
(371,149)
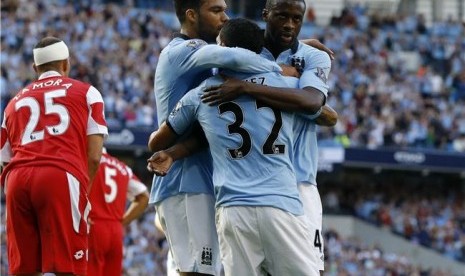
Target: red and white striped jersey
(113,184)
(47,124)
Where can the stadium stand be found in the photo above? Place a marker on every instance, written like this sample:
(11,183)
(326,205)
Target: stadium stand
(431,214)
(383,102)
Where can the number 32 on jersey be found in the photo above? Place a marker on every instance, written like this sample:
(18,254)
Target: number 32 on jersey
(269,146)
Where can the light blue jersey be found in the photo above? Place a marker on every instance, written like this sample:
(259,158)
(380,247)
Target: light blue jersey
(183,64)
(251,146)
(315,66)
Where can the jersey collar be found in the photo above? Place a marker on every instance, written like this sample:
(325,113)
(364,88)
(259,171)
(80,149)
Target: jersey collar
(268,55)
(295,46)
(180,35)
(49,74)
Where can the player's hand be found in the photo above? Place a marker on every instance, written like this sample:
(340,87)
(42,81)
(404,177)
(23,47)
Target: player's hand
(229,90)
(289,71)
(320,46)
(159,163)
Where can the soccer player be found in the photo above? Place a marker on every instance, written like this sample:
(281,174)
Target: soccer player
(184,199)
(283,22)
(52,137)
(113,184)
(259,215)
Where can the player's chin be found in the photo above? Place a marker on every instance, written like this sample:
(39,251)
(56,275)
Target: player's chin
(285,44)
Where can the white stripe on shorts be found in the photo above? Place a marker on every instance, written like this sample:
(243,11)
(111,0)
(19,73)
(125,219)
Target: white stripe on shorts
(73,184)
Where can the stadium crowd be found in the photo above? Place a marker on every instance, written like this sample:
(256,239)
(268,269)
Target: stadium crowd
(396,82)
(350,256)
(383,97)
(429,215)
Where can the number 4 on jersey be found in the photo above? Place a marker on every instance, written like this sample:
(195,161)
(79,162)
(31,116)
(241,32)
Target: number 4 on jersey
(317,240)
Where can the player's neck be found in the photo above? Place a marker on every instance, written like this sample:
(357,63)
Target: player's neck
(275,49)
(190,32)
(50,71)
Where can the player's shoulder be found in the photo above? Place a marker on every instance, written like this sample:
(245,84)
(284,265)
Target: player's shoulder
(180,49)
(78,83)
(309,52)
(182,45)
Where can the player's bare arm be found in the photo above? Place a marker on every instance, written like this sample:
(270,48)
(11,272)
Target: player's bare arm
(307,101)
(159,140)
(161,161)
(289,71)
(328,117)
(136,208)
(94,153)
(162,138)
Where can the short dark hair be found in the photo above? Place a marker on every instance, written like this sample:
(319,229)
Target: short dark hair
(44,42)
(244,33)
(181,6)
(47,41)
(271,3)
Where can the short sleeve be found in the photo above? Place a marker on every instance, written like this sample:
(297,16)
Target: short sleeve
(5,149)
(96,123)
(316,72)
(135,186)
(184,113)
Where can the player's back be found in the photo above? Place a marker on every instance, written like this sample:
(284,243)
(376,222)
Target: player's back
(315,66)
(251,146)
(175,76)
(109,189)
(48,121)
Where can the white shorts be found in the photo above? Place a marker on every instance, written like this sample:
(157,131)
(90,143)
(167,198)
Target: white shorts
(310,198)
(171,269)
(188,221)
(264,240)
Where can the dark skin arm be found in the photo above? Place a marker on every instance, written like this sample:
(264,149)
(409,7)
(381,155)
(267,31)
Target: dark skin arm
(307,101)
(136,209)
(94,153)
(328,117)
(160,162)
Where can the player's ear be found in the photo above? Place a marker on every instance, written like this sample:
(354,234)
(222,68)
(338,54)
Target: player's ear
(191,15)
(265,13)
(65,66)
(34,67)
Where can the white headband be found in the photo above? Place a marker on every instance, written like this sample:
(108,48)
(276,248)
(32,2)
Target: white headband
(56,51)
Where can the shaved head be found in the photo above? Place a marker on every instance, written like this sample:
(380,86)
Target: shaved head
(270,3)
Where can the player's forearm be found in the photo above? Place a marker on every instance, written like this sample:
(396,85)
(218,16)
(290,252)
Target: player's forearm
(186,148)
(328,117)
(94,153)
(161,139)
(136,208)
(287,99)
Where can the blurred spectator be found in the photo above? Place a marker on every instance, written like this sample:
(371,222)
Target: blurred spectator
(351,256)
(383,97)
(310,16)
(430,215)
